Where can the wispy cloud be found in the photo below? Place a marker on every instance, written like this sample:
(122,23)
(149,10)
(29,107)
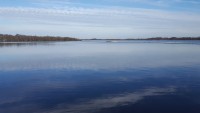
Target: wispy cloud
(187,1)
(134,20)
(66,17)
(159,3)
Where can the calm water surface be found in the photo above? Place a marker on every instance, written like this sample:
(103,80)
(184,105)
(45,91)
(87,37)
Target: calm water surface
(100,77)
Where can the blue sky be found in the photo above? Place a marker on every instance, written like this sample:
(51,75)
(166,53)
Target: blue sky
(101,18)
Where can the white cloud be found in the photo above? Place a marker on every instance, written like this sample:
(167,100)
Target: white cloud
(158,3)
(103,22)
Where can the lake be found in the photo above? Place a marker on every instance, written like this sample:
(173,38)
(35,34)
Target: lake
(100,77)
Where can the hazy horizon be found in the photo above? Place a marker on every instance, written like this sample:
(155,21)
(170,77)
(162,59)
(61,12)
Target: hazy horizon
(101,19)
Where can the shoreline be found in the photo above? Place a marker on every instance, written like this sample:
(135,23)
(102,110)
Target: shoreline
(6,38)
(27,38)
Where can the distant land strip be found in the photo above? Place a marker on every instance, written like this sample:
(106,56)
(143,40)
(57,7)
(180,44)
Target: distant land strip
(26,38)
(154,38)
(29,38)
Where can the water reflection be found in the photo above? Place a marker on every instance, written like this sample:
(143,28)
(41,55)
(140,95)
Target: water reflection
(99,56)
(99,77)
(21,44)
(113,101)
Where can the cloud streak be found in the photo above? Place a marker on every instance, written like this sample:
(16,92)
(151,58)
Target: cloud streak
(149,2)
(99,22)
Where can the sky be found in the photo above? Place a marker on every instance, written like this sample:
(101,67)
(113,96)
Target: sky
(101,18)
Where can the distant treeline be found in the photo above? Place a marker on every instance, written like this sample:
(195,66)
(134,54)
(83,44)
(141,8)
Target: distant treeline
(26,38)
(174,38)
(154,38)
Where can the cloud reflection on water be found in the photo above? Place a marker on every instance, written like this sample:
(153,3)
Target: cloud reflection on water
(84,77)
(86,105)
(95,105)
(99,56)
